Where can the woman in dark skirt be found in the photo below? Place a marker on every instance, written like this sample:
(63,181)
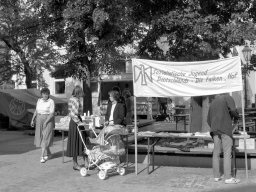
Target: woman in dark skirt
(74,145)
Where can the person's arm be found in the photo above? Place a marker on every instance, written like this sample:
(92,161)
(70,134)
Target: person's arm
(232,107)
(209,118)
(32,124)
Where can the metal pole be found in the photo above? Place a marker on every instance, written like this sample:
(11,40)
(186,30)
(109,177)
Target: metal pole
(245,151)
(245,85)
(63,152)
(135,136)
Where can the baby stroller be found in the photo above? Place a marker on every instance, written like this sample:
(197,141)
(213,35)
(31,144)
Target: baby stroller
(106,152)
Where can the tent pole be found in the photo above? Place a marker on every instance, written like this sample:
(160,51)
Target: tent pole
(245,150)
(135,135)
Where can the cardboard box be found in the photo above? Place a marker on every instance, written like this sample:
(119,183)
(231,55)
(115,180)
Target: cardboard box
(250,144)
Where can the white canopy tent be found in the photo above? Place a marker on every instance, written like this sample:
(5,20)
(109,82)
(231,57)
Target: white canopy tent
(164,79)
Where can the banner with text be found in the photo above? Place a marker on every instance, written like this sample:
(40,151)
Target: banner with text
(163,79)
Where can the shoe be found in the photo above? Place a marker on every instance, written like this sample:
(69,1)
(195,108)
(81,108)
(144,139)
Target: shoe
(47,157)
(218,178)
(232,180)
(77,168)
(42,160)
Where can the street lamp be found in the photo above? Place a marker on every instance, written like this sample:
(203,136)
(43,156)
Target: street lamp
(247,52)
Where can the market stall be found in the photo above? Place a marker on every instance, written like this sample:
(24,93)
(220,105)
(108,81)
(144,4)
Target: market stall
(164,79)
(19,105)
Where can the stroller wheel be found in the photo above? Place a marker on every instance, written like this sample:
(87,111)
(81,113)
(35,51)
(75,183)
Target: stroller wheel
(83,171)
(121,170)
(102,174)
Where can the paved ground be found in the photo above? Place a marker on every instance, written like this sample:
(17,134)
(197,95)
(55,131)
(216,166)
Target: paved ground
(21,171)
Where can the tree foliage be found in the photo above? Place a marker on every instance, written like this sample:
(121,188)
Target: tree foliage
(6,70)
(93,31)
(198,29)
(22,32)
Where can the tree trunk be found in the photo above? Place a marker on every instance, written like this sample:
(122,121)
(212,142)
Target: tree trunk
(20,52)
(88,97)
(28,75)
(27,70)
(87,89)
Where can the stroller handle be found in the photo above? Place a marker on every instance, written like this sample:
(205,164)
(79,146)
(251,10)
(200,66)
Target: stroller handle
(80,134)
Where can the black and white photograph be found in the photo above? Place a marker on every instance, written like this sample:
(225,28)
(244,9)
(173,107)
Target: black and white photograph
(127,95)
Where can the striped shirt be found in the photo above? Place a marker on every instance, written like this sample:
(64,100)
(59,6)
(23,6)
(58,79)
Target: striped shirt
(75,109)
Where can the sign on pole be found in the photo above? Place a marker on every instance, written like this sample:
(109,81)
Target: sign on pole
(164,79)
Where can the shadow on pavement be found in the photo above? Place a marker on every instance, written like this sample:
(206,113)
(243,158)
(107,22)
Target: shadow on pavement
(129,169)
(17,142)
(56,155)
(238,188)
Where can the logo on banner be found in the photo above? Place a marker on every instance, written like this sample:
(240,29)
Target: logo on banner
(142,73)
(17,107)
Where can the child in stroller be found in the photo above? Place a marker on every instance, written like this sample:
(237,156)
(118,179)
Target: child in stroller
(106,152)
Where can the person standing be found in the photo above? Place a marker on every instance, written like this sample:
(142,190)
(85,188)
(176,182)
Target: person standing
(44,115)
(221,113)
(129,106)
(75,146)
(163,105)
(115,110)
(114,118)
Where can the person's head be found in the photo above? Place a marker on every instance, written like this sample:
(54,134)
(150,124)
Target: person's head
(78,91)
(170,100)
(126,93)
(114,96)
(116,88)
(45,92)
